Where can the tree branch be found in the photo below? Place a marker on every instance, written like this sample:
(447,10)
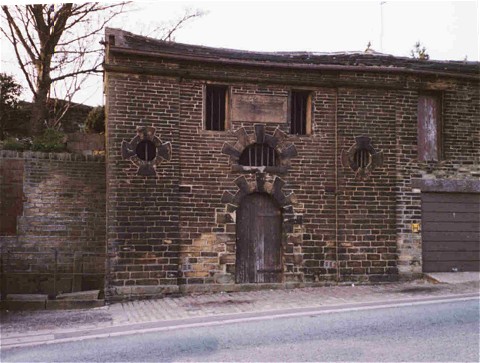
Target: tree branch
(181,22)
(18,32)
(19,58)
(73,74)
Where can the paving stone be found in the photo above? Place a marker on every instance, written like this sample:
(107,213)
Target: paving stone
(210,304)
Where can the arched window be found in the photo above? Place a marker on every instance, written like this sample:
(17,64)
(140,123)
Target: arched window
(258,155)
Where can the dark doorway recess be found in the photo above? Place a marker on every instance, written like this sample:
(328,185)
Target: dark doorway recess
(451,232)
(259,240)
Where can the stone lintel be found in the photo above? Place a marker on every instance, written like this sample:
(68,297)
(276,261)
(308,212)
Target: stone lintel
(447,185)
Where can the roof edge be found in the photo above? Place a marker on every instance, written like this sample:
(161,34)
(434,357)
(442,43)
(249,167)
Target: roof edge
(118,43)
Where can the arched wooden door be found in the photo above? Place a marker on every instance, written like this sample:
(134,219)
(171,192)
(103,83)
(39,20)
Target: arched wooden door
(259,240)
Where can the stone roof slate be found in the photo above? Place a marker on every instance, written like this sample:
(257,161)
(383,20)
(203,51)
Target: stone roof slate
(129,41)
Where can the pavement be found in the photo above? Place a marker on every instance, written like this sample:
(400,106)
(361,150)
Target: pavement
(21,328)
(453,277)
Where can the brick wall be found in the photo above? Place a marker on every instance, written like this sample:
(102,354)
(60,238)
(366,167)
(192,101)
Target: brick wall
(461,158)
(343,228)
(62,209)
(142,212)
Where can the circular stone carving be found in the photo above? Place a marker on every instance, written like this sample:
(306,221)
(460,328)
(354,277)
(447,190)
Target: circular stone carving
(362,158)
(146,151)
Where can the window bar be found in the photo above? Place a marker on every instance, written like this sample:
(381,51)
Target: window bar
(224,109)
(219,95)
(210,119)
(293,116)
(302,110)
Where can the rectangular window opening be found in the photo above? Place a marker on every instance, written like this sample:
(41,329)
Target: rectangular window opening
(300,112)
(429,127)
(215,107)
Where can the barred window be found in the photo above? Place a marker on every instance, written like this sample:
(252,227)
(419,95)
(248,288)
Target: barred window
(300,113)
(258,155)
(215,107)
(362,158)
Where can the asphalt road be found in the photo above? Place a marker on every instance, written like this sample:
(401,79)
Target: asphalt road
(436,332)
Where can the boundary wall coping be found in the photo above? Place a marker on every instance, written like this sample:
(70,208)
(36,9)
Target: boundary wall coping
(11,154)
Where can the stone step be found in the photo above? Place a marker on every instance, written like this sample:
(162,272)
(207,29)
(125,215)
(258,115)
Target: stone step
(79,295)
(27,297)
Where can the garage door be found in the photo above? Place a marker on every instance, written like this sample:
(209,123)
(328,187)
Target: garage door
(450,232)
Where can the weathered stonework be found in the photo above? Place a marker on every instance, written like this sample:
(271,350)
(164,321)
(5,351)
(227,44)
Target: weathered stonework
(177,230)
(59,226)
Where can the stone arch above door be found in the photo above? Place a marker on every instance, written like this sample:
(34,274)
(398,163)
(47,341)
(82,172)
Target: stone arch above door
(261,183)
(291,223)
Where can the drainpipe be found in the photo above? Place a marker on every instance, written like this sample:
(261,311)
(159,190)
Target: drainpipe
(336,188)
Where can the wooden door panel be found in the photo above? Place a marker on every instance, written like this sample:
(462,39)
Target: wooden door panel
(259,226)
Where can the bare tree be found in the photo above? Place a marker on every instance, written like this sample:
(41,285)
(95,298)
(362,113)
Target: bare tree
(57,47)
(53,44)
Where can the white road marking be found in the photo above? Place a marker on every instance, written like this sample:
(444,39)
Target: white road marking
(32,340)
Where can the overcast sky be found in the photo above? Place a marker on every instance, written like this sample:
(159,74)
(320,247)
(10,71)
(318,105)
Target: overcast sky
(448,29)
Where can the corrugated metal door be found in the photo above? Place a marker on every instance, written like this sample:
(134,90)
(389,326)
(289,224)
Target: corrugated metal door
(451,232)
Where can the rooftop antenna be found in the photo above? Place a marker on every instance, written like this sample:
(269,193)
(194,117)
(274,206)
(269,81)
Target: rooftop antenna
(381,25)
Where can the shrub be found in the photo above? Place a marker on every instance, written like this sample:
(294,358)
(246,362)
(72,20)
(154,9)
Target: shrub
(13,143)
(95,121)
(50,141)
(13,120)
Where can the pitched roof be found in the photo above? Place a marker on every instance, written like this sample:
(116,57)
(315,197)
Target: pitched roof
(126,42)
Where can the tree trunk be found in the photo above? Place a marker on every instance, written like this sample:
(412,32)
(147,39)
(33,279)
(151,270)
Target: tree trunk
(40,111)
(39,116)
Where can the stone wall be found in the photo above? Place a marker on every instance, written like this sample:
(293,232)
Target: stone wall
(86,144)
(60,222)
(11,194)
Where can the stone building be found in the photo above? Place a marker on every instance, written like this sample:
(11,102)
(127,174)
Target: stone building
(230,170)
